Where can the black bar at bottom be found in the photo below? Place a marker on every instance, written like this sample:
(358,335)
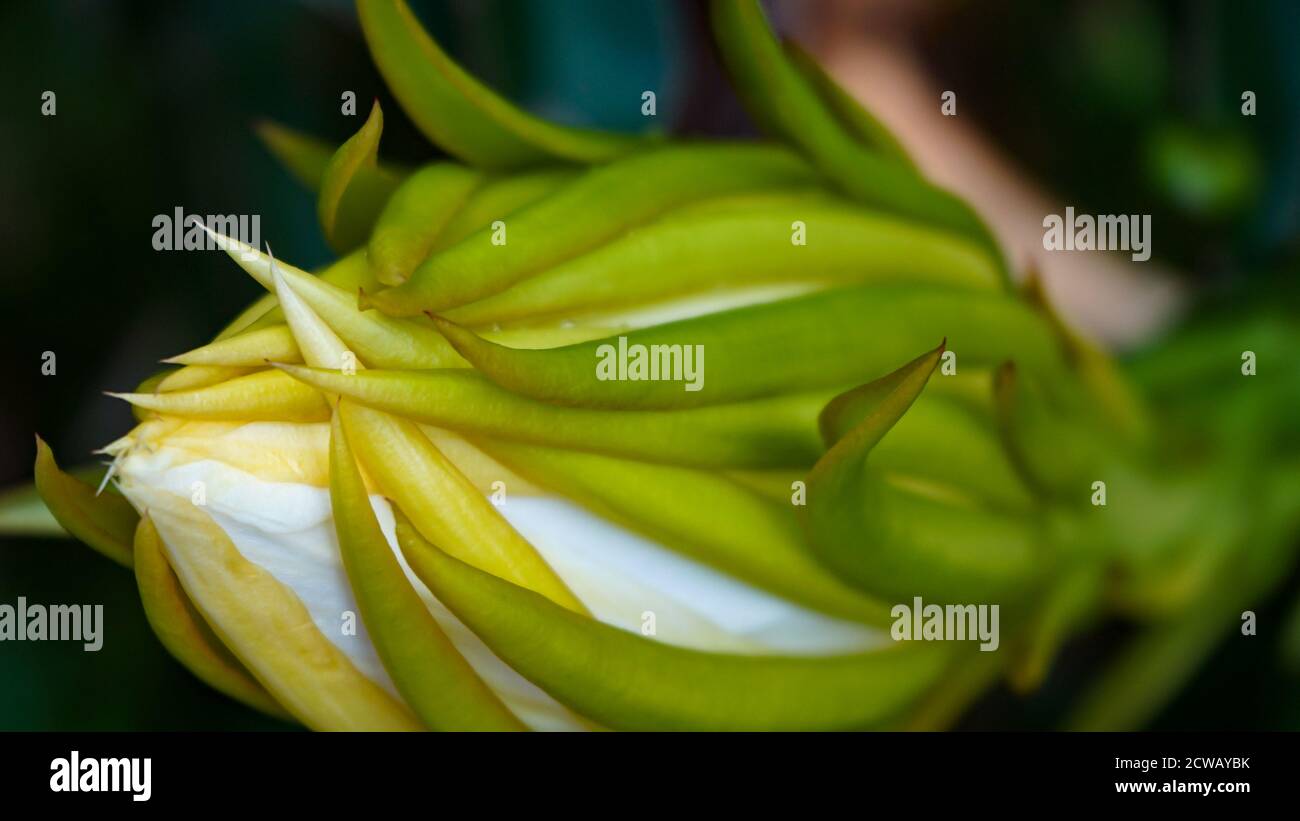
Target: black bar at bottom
(302,771)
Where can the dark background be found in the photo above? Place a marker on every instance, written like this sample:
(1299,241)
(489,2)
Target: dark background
(155,103)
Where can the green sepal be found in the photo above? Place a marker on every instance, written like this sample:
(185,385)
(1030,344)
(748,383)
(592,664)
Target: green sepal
(775,432)
(895,538)
(354,187)
(786,103)
(499,197)
(433,677)
(1111,397)
(626,681)
(938,441)
(855,119)
(408,227)
(461,115)
(306,157)
(599,205)
(827,340)
(104,521)
(1057,452)
(701,252)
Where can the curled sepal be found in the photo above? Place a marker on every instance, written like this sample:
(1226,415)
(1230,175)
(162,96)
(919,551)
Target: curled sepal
(599,205)
(897,540)
(414,216)
(354,188)
(266,395)
(874,408)
(434,678)
(183,631)
(773,432)
(830,339)
(306,157)
(626,681)
(266,625)
(939,441)
(461,115)
(444,504)
(702,515)
(104,521)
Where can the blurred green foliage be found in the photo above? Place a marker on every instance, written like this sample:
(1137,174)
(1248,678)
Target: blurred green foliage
(1135,107)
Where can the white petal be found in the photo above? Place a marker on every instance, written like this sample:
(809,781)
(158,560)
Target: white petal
(287,528)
